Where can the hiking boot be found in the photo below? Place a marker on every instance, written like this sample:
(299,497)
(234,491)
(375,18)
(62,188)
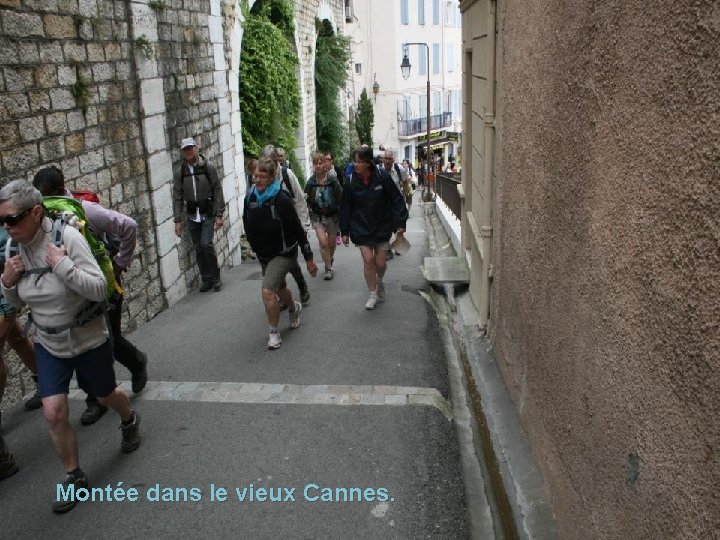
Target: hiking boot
(34,402)
(380,291)
(305,295)
(140,377)
(92,414)
(295,315)
(328,274)
(8,467)
(274,341)
(130,435)
(61,506)
(217,286)
(372,301)
(205,286)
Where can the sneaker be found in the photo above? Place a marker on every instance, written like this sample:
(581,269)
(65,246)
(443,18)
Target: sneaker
(130,435)
(34,402)
(206,286)
(8,467)
(305,296)
(274,341)
(328,274)
(217,286)
(140,377)
(380,291)
(62,506)
(92,414)
(295,315)
(372,301)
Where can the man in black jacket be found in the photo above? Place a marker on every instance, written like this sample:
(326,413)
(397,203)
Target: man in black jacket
(197,187)
(275,233)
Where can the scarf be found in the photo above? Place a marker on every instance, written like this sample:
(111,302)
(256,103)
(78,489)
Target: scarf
(269,192)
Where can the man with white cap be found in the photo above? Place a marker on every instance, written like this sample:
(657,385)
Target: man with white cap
(196,186)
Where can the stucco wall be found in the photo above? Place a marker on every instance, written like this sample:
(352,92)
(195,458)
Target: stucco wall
(606,307)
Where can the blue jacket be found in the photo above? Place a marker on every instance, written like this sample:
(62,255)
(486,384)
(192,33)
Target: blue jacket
(370,215)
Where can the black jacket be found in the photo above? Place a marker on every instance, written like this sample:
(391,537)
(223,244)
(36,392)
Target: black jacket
(274,228)
(370,215)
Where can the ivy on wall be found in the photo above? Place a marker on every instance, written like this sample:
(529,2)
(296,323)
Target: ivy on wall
(269,89)
(331,60)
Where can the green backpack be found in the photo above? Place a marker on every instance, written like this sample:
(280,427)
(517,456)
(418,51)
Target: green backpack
(66,211)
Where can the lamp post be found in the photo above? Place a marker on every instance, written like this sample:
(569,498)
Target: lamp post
(405,66)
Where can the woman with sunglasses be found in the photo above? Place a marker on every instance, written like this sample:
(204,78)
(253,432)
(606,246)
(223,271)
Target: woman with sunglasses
(372,209)
(56,283)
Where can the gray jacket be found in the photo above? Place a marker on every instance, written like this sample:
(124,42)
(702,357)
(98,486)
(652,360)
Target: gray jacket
(209,190)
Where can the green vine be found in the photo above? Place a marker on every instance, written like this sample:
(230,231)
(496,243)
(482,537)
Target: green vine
(365,119)
(80,90)
(331,60)
(158,6)
(269,88)
(145,46)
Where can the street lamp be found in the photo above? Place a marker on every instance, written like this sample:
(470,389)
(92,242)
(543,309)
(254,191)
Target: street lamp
(405,67)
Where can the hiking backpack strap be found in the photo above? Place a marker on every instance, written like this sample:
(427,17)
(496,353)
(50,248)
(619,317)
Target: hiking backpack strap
(286,181)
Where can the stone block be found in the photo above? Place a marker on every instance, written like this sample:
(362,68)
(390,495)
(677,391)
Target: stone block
(113,51)
(10,3)
(215,27)
(163,204)
(46,76)
(50,52)
(95,52)
(92,161)
(88,8)
(154,129)
(20,158)
(32,128)
(74,143)
(93,138)
(39,102)
(52,149)
(66,75)
(144,22)
(166,241)
(28,53)
(61,99)
(160,169)
(70,167)
(59,27)
(75,52)
(22,25)
(104,179)
(10,52)
(68,6)
(18,79)
(56,123)
(13,106)
(123,71)
(152,96)
(9,134)
(116,194)
(219,57)
(75,120)
(114,153)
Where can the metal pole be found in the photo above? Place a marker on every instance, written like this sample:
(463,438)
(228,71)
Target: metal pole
(429,175)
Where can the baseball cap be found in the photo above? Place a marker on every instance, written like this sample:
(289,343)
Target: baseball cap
(187,142)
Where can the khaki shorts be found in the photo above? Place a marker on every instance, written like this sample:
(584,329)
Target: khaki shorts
(275,270)
(329,224)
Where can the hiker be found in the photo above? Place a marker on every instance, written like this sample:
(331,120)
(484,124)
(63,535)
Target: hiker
(324,193)
(372,208)
(275,233)
(68,281)
(197,187)
(119,231)
(290,183)
(11,333)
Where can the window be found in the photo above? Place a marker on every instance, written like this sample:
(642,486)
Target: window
(348,11)
(436,103)
(358,69)
(436,58)
(422,100)
(404,17)
(421,12)
(450,51)
(436,12)
(449,102)
(408,152)
(422,61)
(449,12)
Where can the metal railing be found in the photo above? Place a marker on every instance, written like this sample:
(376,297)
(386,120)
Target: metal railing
(419,125)
(446,187)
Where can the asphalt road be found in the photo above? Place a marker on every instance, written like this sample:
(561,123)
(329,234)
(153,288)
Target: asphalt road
(344,403)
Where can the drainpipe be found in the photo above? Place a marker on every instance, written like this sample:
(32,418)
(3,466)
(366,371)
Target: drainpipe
(486,227)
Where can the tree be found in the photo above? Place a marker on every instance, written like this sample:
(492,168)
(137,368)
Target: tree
(365,119)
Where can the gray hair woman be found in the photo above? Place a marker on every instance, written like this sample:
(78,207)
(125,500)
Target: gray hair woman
(57,282)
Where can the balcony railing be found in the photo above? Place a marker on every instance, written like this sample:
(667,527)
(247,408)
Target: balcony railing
(419,125)
(446,187)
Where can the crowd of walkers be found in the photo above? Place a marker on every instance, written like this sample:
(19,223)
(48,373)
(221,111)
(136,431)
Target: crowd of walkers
(53,271)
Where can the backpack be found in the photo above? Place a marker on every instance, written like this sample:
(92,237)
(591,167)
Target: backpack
(85,195)
(111,241)
(326,205)
(65,211)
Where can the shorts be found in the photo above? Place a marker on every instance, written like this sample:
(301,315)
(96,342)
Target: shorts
(275,270)
(94,370)
(379,245)
(329,224)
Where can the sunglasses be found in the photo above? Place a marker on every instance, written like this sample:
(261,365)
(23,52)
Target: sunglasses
(14,220)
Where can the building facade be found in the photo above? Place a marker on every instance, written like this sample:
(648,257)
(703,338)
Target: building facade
(592,226)
(378,30)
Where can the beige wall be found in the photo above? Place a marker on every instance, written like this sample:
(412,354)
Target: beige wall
(605,308)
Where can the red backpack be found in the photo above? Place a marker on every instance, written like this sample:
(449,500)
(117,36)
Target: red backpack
(85,195)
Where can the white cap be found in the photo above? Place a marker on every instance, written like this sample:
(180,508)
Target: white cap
(187,142)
